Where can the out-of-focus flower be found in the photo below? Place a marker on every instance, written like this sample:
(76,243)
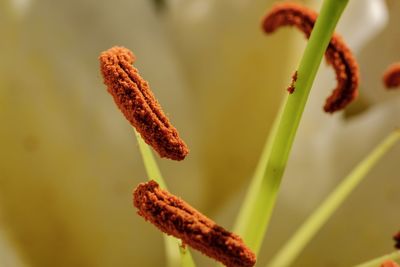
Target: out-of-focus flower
(69,160)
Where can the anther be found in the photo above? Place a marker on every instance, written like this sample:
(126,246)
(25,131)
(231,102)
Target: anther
(175,217)
(337,54)
(391,77)
(134,98)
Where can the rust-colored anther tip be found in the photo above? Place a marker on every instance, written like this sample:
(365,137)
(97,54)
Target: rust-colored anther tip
(396,239)
(389,263)
(134,98)
(337,54)
(175,217)
(391,77)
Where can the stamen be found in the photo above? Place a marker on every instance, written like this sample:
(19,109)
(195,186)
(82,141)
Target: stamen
(175,217)
(134,98)
(337,54)
(391,77)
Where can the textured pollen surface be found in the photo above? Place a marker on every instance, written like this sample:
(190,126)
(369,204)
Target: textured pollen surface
(136,101)
(337,54)
(175,217)
(391,77)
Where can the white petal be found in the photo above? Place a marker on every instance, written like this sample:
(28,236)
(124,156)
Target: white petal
(361,21)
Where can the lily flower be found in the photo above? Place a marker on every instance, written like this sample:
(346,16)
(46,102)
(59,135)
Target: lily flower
(69,161)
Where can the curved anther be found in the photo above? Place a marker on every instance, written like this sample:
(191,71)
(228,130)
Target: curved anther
(337,54)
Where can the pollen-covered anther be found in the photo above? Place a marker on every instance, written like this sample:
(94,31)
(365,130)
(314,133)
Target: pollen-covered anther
(391,77)
(337,54)
(134,98)
(175,217)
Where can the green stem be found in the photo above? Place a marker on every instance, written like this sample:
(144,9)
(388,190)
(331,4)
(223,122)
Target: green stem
(175,254)
(253,222)
(150,164)
(311,226)
(395,256)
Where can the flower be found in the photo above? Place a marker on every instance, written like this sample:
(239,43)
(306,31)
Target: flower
(69,160)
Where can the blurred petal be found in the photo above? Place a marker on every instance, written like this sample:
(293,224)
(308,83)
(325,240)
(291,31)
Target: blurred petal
(69,159)
(378,54)
(362,21)
(9,254)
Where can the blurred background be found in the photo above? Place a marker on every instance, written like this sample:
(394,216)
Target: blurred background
(69,160)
